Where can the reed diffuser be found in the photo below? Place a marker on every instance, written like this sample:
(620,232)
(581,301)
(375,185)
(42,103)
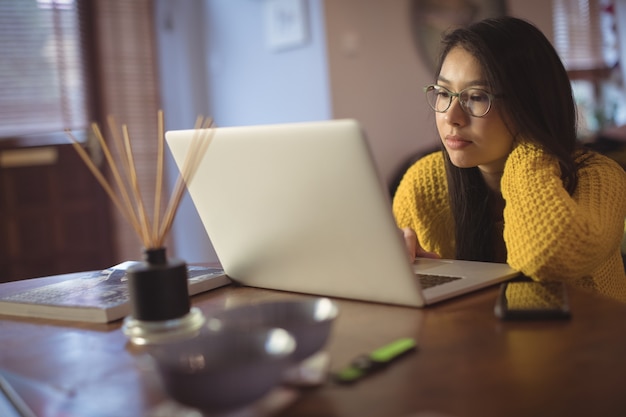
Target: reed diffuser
(159,297)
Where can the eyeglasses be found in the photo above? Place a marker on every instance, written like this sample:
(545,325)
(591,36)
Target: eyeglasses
(474,101)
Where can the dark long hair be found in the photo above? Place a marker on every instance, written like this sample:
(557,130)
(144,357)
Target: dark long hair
(520,64)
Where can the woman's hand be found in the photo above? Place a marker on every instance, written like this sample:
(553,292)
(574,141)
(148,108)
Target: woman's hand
(413,247)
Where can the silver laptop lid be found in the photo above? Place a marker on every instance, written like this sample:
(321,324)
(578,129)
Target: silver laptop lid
(300,207)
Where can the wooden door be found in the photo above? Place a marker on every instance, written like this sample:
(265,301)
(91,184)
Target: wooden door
(54,216)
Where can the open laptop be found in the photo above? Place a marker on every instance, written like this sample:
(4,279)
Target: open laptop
(300,207)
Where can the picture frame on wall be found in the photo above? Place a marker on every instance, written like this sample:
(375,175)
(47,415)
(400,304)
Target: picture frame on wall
(286,24)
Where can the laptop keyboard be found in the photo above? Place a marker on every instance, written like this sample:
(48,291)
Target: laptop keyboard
(429,281)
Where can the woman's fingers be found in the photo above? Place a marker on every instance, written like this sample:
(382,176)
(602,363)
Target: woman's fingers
(410,241)
(414,249)
(421,253)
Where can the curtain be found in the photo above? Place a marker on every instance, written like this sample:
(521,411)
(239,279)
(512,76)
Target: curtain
(126,70)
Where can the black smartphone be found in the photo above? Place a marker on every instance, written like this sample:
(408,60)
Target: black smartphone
(529,300)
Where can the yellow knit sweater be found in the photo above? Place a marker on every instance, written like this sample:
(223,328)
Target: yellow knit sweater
(548,233)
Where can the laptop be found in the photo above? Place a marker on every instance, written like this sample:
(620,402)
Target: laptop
(300,207)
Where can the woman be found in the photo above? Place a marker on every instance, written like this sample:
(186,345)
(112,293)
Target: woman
(511,183)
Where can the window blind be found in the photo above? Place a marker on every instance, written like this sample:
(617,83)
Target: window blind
(584,33)
(41,70)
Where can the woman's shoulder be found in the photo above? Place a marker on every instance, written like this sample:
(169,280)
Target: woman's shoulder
(594,163)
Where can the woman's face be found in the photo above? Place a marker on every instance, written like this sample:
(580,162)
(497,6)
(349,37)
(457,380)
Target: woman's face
(485,141)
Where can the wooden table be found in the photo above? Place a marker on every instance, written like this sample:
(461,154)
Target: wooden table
(468,364)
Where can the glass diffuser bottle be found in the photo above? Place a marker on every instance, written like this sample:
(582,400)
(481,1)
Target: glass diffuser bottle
(160,307)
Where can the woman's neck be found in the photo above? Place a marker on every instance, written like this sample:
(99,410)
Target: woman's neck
(496,206)
(492,179)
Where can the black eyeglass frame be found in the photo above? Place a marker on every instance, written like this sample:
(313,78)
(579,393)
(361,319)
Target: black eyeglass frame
(431,87)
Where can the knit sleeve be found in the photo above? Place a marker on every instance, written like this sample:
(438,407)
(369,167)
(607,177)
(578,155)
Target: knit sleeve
(550,234)
(421,203)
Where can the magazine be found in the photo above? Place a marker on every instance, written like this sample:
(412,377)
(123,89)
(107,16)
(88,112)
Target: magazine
(95,296)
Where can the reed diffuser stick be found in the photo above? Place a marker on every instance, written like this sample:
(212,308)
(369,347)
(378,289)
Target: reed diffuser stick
(128,197)
(125,186)
(123,190)
(199,144)
(159,176)
(141,210)
(103,182)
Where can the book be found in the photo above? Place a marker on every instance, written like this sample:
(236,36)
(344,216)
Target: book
(95,296)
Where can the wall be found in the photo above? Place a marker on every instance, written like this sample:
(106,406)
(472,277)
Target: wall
(249,83)
(180,34)
(377,77)
(214,61)
(538,12)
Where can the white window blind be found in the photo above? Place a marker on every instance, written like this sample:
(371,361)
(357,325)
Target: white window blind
(41,70)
